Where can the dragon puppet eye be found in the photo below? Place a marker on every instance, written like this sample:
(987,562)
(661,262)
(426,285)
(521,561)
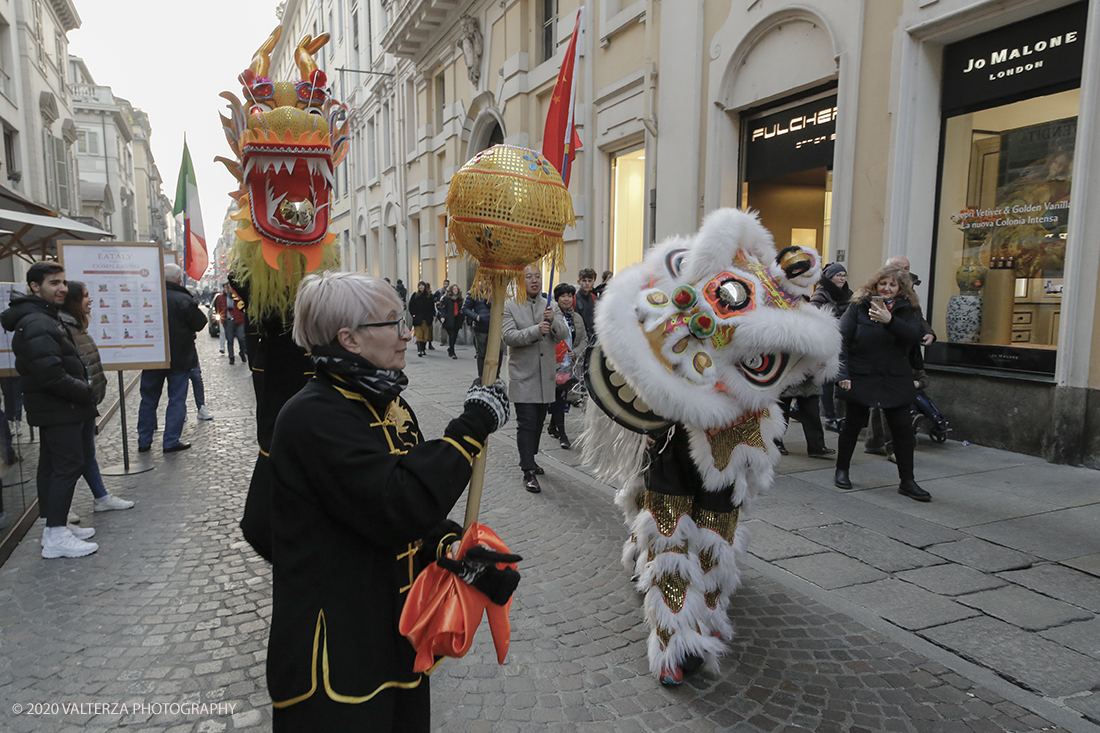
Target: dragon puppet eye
(733,294)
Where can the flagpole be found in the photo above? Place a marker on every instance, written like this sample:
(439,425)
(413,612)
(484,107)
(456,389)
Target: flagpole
(572,91)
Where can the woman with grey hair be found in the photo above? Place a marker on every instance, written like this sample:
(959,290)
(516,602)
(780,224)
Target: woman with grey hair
(359,506)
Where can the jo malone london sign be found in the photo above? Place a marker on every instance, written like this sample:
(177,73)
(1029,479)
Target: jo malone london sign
(1044,51)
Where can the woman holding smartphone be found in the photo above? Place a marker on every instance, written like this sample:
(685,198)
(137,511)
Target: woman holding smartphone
(877,332)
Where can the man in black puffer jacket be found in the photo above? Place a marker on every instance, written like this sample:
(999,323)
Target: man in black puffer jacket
(184,320)
(58,400)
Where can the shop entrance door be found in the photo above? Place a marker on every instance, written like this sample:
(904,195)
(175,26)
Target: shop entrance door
(788,160)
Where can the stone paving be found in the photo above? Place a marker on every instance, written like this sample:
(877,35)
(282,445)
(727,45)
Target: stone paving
(840,628)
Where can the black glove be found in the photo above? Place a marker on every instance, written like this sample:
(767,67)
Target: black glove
(478,568)
(492,399)
(449,530)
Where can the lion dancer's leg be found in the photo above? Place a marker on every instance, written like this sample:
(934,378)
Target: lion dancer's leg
(719,546)
(673,585)
(629,499)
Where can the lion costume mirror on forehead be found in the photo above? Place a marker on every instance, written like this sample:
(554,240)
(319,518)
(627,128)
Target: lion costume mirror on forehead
(695,345)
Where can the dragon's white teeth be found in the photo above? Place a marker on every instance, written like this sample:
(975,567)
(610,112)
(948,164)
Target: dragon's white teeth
(248,167)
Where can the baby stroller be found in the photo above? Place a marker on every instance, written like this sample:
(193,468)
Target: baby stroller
(928,417)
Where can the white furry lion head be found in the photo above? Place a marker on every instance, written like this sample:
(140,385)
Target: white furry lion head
(709,327)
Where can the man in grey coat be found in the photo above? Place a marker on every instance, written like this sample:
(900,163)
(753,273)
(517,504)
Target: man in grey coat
(531,329)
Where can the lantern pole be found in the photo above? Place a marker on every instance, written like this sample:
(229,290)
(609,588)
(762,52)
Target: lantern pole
(488,376)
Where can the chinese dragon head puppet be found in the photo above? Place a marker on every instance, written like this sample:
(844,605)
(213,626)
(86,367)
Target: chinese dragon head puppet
(696,343)
(288,137)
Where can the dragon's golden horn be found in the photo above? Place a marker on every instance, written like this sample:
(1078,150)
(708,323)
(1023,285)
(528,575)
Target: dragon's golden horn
(303,55)
(261,61)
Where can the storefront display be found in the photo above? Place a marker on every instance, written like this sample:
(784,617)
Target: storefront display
(788,154)
(1010,101)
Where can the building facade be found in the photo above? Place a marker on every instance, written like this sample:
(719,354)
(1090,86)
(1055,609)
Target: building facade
(104,144)
(943,130)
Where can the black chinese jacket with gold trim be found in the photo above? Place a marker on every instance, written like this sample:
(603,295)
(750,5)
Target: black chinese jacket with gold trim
(355,489)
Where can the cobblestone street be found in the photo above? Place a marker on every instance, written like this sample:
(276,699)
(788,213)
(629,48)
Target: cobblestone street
(171,615)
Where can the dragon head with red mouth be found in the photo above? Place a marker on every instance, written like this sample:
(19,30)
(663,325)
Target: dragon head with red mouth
(288,137)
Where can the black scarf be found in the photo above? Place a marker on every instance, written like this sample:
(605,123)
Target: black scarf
(840,295)
(353,372)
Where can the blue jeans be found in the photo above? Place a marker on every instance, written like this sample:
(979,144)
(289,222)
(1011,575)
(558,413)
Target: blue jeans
(235,331)
(152,383)
(195,375)
(91,465)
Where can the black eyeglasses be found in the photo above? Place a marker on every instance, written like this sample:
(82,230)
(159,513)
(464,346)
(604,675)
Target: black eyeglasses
(402,327)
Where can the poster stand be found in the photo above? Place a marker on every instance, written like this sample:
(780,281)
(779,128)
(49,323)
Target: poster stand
(144,463)
(129,313)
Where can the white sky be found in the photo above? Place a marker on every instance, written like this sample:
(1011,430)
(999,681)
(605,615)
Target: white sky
(172,60)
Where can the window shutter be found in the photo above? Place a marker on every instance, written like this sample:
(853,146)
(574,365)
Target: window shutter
(61,159)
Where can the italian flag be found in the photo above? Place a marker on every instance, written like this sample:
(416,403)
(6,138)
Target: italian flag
(195,258)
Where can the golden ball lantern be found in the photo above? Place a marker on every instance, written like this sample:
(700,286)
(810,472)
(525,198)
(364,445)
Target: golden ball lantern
(508,208)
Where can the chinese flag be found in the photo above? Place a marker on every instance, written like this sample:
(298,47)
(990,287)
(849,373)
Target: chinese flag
(559,138)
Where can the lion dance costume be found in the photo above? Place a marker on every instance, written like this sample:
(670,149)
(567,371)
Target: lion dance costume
(695,345)
(287,136)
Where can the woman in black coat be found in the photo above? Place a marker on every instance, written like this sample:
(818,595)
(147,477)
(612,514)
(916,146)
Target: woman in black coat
(450,310)
(422,310)
(877,333)
(359,506)
(832,295)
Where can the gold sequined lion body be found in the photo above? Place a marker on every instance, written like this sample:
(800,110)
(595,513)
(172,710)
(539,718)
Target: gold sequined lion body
(695,345)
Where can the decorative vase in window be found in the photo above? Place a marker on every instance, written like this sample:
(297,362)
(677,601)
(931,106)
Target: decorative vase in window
(964,311)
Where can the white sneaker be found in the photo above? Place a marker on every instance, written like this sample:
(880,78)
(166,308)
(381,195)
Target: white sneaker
(74,518)
(109,502)
(81,533)
(205,414)
(60,542)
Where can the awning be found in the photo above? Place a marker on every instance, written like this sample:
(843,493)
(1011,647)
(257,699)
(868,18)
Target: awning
(31,234)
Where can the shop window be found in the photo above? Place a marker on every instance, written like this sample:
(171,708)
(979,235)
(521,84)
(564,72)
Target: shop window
(627,208)
(1001,239)
(1011,99)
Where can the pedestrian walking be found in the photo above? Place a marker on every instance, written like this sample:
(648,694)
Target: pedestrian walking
(833,296)
(422,310)
(436,297)
(531,329)
(585,301)
(58,399)
(198,389)
(402,292)
(569,354)
(357,491)
(450,308)
(877,333)
(75,311)
(477,312)
(184,320)
(229,307)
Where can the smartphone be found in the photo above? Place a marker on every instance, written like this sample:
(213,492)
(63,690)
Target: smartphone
(877,299)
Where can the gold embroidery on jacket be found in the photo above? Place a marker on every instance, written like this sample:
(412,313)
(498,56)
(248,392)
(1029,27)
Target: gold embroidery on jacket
(318,644)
